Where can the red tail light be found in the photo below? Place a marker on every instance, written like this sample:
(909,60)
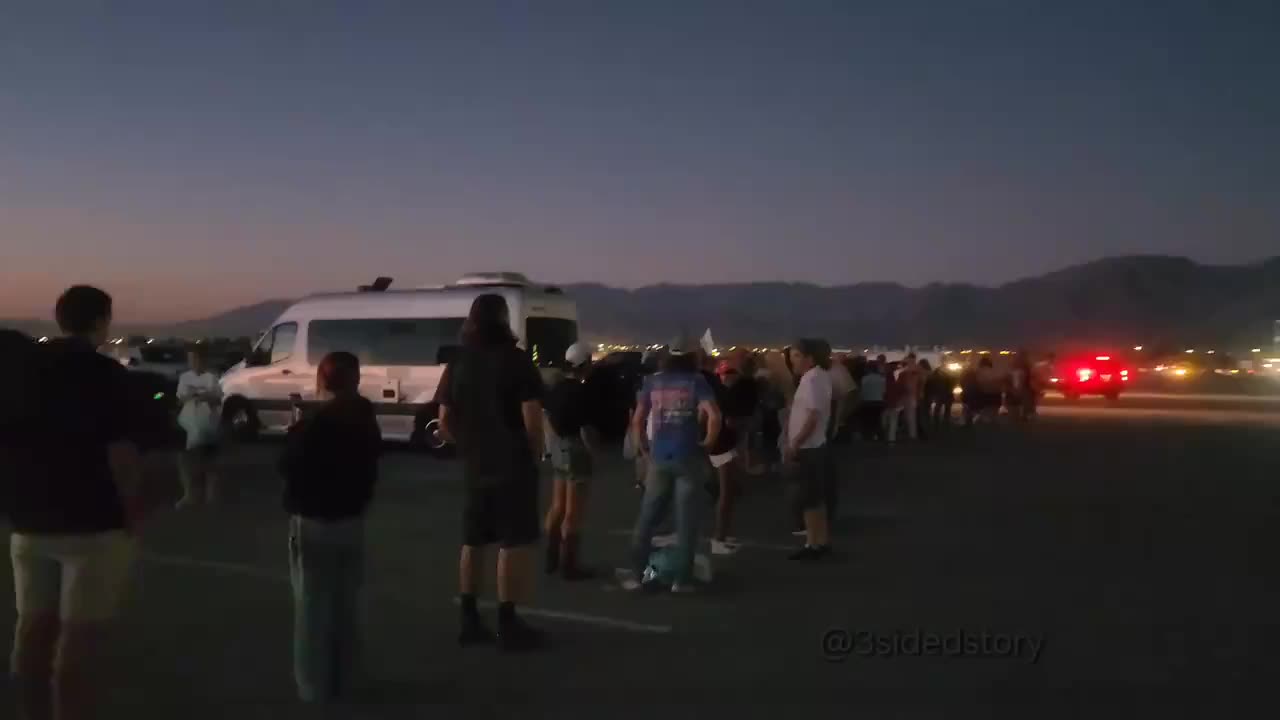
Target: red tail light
(1084,374)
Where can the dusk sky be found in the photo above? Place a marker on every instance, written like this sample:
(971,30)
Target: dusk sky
(193,156)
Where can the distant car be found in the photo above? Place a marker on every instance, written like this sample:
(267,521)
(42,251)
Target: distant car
(168,361)
(1090,375)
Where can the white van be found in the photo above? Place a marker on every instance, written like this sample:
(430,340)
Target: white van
(403,339)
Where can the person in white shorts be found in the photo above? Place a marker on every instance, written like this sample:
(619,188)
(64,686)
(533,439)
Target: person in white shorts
(74,506)
(201,398)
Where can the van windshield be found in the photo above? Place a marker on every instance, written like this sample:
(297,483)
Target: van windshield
(387,342)
(549,338)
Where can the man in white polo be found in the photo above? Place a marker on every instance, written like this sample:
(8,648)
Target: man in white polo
(807,464)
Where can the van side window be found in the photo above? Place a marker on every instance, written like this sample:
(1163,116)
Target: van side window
(390,342)
(281,341)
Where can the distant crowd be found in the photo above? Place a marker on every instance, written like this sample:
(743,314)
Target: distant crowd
(73,428)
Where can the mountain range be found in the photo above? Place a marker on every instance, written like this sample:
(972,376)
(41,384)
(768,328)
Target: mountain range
(1135,299)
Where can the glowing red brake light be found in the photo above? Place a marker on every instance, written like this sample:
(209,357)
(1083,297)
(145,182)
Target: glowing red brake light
(1084,374)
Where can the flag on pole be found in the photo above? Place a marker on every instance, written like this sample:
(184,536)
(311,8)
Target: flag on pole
(708,345)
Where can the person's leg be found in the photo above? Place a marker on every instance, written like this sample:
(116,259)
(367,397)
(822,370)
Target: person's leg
(657,495)
(832,485)
(554,521)
(209,468)
(95,572)
(189,475)
(518,531)
(577,490)
(314,576)
(724,501)
(478,532)
(347,640)
(812,484)
(891,424)
(37,583)
(688,510)
(909,415)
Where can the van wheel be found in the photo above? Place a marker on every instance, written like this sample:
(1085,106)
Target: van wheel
(239,420)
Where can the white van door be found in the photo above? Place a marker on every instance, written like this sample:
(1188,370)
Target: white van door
(282,374)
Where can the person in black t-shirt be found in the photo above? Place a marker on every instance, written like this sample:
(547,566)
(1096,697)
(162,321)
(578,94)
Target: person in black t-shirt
(573,414)
(490,400)
(75,506)
(330,466)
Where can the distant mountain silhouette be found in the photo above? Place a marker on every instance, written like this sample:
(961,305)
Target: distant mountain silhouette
(1140,299)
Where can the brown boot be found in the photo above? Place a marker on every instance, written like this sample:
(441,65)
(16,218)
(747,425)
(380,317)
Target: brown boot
(569,556)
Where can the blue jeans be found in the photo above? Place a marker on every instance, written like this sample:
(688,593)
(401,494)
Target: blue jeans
(326,569)
(683,479)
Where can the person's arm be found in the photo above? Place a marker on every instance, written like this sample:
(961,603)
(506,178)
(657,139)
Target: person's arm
(532,412)
(214,394)
(715,422)
(531,393)
(185,391)
(639,424)
(444,400)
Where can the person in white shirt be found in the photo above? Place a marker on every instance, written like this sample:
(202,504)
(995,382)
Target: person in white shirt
(806,456)
(201,398)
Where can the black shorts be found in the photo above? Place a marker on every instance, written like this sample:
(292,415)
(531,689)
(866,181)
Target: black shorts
(810,475)
(505,513)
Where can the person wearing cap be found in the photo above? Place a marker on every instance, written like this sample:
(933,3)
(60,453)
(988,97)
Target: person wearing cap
(572,413)
(667,427)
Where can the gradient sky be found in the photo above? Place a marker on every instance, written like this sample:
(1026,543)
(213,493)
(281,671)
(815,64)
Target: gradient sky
(192,156)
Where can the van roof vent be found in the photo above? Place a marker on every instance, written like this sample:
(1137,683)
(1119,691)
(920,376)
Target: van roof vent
(379,285)
(493,278)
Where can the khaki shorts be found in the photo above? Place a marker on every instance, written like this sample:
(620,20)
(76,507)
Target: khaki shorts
(80,577)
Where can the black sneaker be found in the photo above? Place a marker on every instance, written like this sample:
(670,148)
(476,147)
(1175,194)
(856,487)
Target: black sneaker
(474,632)
(811,552)
(515,635)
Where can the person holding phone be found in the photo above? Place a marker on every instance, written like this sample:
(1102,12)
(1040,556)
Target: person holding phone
(330,466)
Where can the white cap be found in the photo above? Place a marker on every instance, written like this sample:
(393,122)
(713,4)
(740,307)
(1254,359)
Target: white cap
(577,355)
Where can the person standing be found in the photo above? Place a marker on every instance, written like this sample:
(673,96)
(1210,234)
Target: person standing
(924,371)
(573,412)
(330,466)
(911,385)
(667,429)
(75,509)
(490,400)
(201,398)
(939,397)
(736,397)
(806,454)
(871,395)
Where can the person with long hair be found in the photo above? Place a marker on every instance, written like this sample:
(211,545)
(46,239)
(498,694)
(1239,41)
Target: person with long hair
(330,466)
(490,401)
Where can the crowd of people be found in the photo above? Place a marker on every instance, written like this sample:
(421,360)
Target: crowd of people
(697,427)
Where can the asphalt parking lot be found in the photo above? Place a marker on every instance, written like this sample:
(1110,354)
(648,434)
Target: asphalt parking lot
(1069,568)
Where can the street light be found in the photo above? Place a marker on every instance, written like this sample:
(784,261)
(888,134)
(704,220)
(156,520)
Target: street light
(1138,348)
(1256,350)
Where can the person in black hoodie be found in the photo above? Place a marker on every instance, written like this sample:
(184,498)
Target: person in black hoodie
(330,466)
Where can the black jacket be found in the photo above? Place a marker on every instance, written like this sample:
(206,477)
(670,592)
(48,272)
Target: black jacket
(330,462)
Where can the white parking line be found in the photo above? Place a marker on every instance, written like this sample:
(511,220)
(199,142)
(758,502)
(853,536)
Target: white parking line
(227,568)
(619,532)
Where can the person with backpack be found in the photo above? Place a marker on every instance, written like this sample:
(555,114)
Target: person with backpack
(573,411)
